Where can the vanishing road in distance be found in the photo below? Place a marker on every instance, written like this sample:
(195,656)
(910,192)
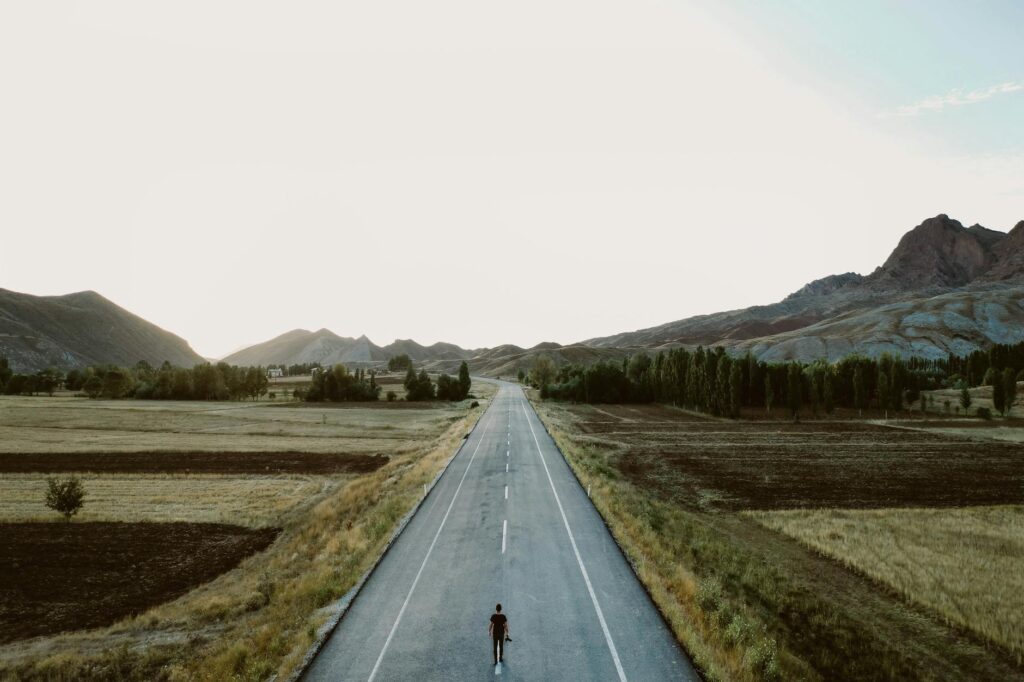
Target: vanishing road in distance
(506,523)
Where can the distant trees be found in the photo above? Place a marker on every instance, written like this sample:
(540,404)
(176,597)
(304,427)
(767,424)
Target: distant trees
(735,390)
(793,389)
(418,386)
(454,389)
(543,371)
(337,384)
(465,383)
(44,381)
(709,380)
(65,496)
(998,391)
(1009,389)
(399,363)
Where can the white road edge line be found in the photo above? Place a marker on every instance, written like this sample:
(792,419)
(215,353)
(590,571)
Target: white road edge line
(387,642)
(576,551)
(504,534)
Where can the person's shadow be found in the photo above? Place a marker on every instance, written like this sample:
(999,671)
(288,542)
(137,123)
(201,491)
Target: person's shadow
(501,672)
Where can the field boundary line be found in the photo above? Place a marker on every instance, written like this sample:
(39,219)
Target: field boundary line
(340,607)
(611,533)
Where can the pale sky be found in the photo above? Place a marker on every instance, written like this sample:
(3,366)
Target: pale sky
(485,173)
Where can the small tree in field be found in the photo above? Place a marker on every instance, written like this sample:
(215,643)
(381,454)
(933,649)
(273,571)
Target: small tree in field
(65,497)
(965,398)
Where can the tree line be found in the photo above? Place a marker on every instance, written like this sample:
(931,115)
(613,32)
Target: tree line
(221,381)
(709,380)
(419,386)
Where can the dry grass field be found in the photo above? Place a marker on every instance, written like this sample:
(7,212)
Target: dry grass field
(78,425)
(965,564)
(328,481)
(253,501)
(750,603)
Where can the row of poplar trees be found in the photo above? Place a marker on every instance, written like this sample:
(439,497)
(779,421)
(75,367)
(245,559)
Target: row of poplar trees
(709,380)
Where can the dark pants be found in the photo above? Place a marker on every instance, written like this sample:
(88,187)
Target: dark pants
(499,647)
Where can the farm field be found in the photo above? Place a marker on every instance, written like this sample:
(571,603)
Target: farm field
(964,564)
(79,425)
(282,506)
(130,567)
(686,497)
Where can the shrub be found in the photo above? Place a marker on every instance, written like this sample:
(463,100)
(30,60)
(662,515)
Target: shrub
(66,497)
(709,594)
(391,396)
(984,413)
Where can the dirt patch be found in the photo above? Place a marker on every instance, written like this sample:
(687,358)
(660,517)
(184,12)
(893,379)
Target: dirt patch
(56,577)
(704,463)
(191,462)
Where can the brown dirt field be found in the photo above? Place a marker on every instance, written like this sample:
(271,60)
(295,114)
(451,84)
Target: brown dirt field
(66,576)
(191,462)
(703,463)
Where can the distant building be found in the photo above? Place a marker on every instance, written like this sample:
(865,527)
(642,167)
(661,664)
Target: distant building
(274,372)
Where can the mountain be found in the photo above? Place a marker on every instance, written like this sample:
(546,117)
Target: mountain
(939,253)
(300,346)
(853,312)
(957,322)
(507,360)
(1009,258)
(81,329)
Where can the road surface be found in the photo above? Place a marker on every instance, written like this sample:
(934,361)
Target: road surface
(506,523)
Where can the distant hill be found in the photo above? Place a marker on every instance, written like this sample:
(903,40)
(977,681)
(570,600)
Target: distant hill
(507,360)
(854,312)
(81,329)
(300,346)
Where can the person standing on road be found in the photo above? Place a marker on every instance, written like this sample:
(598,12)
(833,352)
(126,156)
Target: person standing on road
(499,632)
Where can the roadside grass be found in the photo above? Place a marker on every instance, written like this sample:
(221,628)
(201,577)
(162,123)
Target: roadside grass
(746,602)
(965,564)
(258,619)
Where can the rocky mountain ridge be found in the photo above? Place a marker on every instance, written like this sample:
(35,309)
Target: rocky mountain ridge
(938,257)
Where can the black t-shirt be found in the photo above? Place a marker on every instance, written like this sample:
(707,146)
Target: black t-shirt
(498,620)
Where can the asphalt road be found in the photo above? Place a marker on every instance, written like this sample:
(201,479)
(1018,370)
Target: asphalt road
(506,523)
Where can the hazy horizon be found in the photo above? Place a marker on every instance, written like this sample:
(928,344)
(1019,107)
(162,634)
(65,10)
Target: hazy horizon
(482,174)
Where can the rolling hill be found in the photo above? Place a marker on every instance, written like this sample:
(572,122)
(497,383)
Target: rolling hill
(80,329)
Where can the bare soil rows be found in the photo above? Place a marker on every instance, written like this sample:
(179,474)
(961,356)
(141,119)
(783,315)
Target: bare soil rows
(191,462)
(785,465)
(66,576)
